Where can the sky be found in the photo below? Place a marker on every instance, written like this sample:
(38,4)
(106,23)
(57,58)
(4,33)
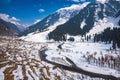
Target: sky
(31,11)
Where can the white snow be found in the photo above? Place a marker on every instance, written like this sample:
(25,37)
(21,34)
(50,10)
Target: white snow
(18,73)
(42,36)
(65,14)
(68,12)
(82,24)
(74,7)
(75,51)
(101,25)
(33,65)
(36,21)
(101,1)
(2,72)
(99,70)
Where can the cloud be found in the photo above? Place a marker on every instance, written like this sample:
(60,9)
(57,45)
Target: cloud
(75,0)
(13,20)
(78,0)
(36,21)
(4,17)
(41,10)
(7,18)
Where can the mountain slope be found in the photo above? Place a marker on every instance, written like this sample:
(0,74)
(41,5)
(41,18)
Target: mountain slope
(77,20)
(94,18)
(8,29)
(59,17)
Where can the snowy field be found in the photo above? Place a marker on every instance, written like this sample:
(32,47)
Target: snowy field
(20,60)
(87,56)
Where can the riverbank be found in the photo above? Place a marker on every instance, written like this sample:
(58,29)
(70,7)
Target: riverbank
(79,68)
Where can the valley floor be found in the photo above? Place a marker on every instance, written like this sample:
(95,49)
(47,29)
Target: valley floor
(92,57)
(21,60)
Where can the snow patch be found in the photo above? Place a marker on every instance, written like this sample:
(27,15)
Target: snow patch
(101,1)
(42,36)
(80,51)
(101,25)
(68,12)
(82,24)
(74,7)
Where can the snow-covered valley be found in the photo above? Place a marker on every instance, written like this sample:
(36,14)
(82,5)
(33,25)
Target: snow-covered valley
(78,41)
(21,60)
(87,56)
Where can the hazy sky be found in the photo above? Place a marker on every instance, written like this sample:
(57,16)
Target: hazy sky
(28,11)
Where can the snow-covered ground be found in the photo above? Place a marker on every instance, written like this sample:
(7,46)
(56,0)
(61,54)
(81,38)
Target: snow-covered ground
(102,1)
(42,36)
(101,25)
(78,52)
(65,14)
(20,60)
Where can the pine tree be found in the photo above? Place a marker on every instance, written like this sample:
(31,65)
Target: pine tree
(114,45)
(119,23)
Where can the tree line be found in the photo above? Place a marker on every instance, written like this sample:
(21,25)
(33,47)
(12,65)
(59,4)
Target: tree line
(109,36)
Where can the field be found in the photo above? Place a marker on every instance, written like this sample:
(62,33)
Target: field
(20,60)
(93,57)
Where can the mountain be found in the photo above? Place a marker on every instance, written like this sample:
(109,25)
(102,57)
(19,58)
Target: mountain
(8,29)
(76,20)
(92,19)
(59,17)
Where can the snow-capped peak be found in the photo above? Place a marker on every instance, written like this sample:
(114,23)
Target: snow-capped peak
(74,7)
(102,1)
(68,12)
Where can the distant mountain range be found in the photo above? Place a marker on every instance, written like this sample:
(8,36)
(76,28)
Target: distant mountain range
(77,20)
(92,19)
(57,18)
(8,29)
(85,19)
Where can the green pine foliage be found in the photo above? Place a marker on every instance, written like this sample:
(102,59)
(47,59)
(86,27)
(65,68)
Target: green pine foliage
(108,36)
